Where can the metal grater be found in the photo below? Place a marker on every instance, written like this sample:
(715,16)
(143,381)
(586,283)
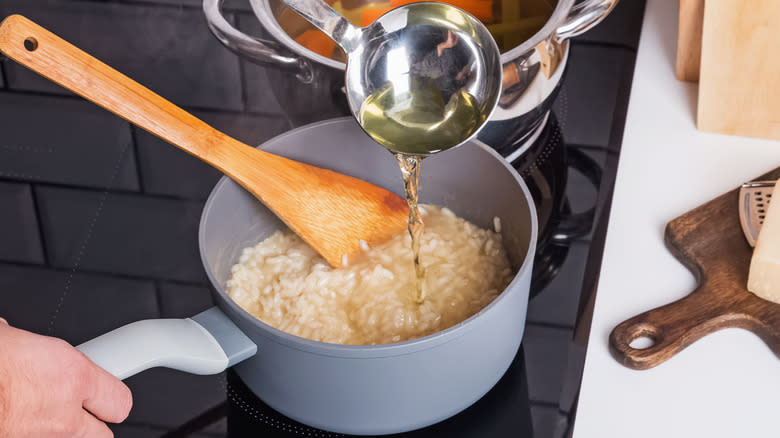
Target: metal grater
(754,199)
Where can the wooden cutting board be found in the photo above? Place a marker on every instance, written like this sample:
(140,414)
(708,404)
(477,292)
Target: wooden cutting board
(709,242)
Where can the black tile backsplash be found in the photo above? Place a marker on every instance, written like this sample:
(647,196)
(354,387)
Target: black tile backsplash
(183,300)
(303,103)
(72,305)
(65,141)
(121,233)
(169,50)
(258,94)
(228,5)
(19,238)
(167,170)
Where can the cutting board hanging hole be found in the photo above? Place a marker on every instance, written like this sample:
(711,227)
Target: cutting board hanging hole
(639,337)
(642,343)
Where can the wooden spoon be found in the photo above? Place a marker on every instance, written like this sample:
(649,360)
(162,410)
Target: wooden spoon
(330,211)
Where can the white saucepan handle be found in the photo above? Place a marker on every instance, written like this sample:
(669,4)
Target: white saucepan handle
(207,343)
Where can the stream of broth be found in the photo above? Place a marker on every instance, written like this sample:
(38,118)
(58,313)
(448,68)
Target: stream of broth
(411,165)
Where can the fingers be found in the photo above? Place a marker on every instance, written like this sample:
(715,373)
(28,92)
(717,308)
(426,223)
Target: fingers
(91,427)
(3,321)
(107,397)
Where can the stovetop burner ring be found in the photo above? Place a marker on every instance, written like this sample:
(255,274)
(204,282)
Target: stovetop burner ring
(283,425)
(549,148)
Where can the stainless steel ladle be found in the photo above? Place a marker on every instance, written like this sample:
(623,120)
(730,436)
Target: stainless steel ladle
(430,52)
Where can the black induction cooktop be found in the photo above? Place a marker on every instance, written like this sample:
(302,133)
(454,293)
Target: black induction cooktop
(502,412)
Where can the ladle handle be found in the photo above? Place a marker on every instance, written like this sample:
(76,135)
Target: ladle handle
(48,55)
(320,14)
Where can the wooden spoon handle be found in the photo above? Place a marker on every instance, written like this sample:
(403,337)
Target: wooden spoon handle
(671,328)
(48,55)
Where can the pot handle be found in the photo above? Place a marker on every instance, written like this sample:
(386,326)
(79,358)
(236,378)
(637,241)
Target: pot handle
(207,343)
(584,16)
(260,51)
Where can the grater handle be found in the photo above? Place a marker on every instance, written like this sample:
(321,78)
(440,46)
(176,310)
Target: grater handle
(752,196)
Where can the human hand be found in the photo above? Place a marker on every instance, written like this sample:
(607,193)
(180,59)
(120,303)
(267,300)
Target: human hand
(449,43)
(48,389)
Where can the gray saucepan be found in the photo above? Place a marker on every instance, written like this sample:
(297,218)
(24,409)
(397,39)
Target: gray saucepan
(376,389)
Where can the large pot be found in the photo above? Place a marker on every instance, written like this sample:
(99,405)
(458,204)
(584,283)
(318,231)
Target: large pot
(532,69)
(349,389)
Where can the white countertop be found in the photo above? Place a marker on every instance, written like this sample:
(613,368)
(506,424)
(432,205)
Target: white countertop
(726,384)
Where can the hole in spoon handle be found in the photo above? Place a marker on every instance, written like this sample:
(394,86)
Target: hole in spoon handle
(31,44)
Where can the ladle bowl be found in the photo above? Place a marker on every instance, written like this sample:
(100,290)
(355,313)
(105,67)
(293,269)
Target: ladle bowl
(422,78)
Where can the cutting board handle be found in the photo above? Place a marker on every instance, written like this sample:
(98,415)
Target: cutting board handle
(671,328)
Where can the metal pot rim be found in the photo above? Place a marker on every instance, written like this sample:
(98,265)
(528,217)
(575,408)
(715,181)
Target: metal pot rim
(381,350)
(262,10)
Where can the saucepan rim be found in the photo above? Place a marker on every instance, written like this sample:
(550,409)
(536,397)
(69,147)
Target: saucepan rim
(379,350)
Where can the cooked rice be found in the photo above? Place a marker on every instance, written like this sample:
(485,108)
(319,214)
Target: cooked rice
(285,283)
